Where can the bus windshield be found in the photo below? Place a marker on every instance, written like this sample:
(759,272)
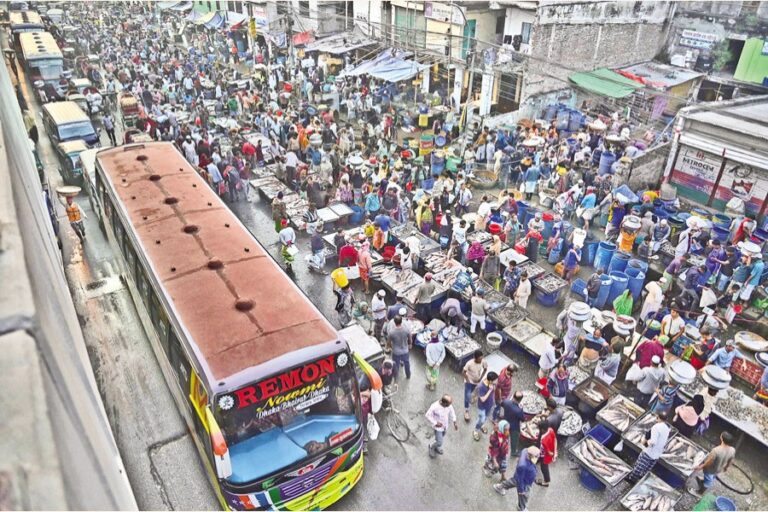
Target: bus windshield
(283,420)
(49,69)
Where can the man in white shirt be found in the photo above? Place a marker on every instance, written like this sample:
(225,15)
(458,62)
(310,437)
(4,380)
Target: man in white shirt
(655,444)
(440,414)
(379,312)
(548,359)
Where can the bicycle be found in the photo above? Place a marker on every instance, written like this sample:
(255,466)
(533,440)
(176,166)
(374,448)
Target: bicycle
(395,422)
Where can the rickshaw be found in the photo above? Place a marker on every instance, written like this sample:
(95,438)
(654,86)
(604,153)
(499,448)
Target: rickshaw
(129,109)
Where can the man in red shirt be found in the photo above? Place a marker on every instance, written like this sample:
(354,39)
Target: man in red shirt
(248,152)
(647,350)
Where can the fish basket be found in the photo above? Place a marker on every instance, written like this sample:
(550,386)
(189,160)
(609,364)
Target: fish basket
(619,413)
(609,469)
(634,435)
(651,493)
(484,179)
(681,455)
(493,340)
(585,390)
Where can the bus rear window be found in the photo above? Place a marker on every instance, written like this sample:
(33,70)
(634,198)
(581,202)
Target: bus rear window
(282,420)
(76,130)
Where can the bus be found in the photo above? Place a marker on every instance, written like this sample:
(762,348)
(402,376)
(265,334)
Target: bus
(20,22)
(266,385)
(41,57)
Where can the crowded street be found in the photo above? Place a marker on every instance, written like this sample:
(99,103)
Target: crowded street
(316,273)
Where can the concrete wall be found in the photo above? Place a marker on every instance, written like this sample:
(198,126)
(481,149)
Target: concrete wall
(582,36)
(368,16)
(647,169)
(57,450)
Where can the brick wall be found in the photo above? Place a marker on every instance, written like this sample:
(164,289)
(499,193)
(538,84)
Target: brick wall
(647,169)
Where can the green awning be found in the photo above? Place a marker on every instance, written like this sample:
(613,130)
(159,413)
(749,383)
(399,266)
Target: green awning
(605,82)
(753,63)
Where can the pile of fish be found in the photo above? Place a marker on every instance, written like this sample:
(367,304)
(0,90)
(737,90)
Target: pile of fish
(479,236)
(620,413)
(651,493)
(446,277)
(401,280)
(461,347)
(731,405)
(681,453)
(636,433)
(532,402)
(507,315)
(694,387)
(600,460)
(532,269)
(549,283)
(570,424)
(593,391)
(438,262)
(577,376)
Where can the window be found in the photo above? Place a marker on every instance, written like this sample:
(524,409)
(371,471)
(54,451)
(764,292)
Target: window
(236,6)
(143,285)
(210,7)
(130,256)
(179,361)
(303,8)
(160,322)
(500,24)
(341,8)
(119,233)
(218,5)
(526,33)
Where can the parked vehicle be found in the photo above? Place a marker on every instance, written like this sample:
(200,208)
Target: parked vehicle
(65,121)
(70,166)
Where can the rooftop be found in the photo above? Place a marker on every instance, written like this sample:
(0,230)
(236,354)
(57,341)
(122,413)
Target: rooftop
(658,75)
(744,115)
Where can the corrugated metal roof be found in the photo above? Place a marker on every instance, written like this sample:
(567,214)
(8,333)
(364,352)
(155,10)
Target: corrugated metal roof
(658,75)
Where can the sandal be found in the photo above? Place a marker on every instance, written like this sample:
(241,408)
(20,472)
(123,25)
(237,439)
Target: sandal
(542,483)
(484,430)
(466,416)
(476,435)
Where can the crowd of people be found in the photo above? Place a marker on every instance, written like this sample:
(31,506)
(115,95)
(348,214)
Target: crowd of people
(353,155)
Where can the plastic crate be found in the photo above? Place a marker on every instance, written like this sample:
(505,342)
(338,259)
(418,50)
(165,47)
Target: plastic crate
(578,287)
(601,434)
(752,374)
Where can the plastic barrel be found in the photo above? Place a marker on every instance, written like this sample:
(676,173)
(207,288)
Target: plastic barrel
(590,482)
(619,261)
(522,208)
(530,213)
(588,252)
(619,282)
(661,212)
(700,212)
(635,285)
(605,290)
(554,254)
(357,215)
(721,220)
(641,265)
(596,154)
(606,161)
(676,225)
(604,254)
(720,233)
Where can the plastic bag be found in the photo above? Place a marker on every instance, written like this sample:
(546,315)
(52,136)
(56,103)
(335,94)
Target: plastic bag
(372,426)
(634,373)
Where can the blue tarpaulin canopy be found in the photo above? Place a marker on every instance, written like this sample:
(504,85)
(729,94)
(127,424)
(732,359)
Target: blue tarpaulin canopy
(389,65)
(182,6)
(216,22)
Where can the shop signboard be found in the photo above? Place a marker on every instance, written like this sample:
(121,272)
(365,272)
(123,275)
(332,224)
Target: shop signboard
(446,13)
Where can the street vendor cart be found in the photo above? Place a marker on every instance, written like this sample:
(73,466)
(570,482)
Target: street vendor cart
(129,109)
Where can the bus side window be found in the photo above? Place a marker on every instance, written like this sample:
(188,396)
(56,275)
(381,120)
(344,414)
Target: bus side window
(179,361)
(161,323)
(119,231)
(143,286)
(130,255)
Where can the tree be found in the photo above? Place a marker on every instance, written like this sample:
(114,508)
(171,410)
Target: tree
(721,55)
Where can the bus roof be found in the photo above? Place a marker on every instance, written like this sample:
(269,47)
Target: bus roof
(236,305)
(24,18)
(65,112)
(39,45)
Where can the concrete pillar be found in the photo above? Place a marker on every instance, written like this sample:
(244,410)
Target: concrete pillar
(486,90)
(458,83)
(425,81)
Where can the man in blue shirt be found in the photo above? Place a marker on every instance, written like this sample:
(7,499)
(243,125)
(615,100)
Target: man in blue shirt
(571,262)
(525,475)
(382,221)
(692,285)
(755,275)
(513,414)
(724,356)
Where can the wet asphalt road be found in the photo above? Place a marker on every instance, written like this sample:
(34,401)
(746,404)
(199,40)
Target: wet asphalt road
(161,461)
